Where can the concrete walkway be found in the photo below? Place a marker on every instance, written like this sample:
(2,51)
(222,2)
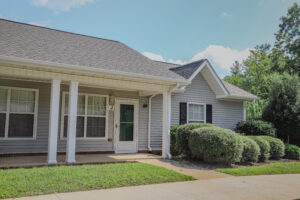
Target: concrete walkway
(197,171)
(256,187)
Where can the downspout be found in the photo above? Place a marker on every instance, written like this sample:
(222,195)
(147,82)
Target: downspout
(149,122)
(169,105)
(149,115)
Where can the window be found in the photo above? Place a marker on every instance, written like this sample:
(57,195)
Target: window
(196,112)
(91,116)
(18,113)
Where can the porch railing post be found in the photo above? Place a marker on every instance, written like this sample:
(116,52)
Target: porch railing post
(72,120)
(53,121)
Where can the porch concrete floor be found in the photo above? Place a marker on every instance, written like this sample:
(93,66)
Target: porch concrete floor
(198,172)
(35,161)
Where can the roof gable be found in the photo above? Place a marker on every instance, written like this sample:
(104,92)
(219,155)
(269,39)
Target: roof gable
(191,70)
(222,89)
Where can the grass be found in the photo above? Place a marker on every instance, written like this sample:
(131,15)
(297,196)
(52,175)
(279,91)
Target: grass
(268,169)
(46,180)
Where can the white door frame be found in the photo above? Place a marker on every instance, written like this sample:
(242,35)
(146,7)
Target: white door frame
(117,143)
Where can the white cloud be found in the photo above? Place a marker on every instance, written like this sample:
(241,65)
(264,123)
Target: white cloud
(59,5)
(221,57)
(153,56)
(158,57)
(225,14)
(37,24)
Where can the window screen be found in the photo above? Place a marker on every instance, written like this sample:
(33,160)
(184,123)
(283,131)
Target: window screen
(196,113)
(17,112)
(91,116)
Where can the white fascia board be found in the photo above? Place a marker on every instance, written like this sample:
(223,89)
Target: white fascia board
(232,97)
(44,64)
(213,72)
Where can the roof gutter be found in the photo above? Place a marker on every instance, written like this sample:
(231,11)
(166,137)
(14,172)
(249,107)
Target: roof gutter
(89,69)
(236,97)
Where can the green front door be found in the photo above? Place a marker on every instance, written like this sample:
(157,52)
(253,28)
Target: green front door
(126,125)
(126,122)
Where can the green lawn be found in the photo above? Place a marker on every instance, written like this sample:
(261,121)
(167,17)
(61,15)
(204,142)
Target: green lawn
(273,168)
(45,180)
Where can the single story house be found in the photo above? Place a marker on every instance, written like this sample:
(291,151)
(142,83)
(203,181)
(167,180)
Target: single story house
(67,92)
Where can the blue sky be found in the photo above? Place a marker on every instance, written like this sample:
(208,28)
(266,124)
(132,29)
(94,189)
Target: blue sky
(171,30)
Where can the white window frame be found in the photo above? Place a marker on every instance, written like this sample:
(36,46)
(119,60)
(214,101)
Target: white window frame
(188,108)
(86,95)
(7,112)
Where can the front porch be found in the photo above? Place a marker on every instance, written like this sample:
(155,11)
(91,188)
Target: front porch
(77,114)
(75,117)
(92,158)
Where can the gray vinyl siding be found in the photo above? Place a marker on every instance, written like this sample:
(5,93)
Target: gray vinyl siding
(143,124)
(156,123)
(40,145)
(226,114)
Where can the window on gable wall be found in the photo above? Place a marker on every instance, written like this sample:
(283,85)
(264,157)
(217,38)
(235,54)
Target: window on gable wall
(196,113)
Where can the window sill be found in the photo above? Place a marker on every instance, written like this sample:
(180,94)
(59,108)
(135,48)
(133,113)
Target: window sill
(17,138)
(91,138)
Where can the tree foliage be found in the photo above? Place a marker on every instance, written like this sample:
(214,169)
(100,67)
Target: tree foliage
(260,70)
(288,39)
(283,106)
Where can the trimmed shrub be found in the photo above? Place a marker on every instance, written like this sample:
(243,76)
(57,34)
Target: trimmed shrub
(255,127)
(292,152)
(264,147)
(251,150)
(173,135)
(276,147)
(183,133)
(213,144)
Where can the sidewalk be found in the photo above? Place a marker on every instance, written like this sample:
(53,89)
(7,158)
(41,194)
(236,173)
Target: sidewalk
(269,187)
(198,172)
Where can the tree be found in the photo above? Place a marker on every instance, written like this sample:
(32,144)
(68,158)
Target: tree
(283,106)
(257,71)
(236,68)
(288,39)
(237,74)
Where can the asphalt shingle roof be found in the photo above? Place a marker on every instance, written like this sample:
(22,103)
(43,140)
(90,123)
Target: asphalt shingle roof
(187,70)
(235,91)
(44,44)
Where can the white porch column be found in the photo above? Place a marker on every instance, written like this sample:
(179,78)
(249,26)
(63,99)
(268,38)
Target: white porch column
(166,125)
(53,121)
(72,119)
(244,110)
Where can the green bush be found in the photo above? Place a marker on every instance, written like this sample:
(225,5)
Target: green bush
(255,127)
(251,150)
(276,147)
(173,133)
(264,147)
(183,133)
(292,152)
(213,144)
